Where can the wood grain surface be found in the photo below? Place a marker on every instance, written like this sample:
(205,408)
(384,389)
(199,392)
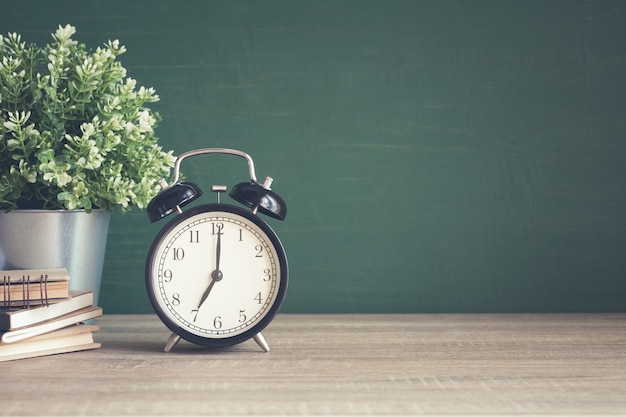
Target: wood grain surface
(339,365)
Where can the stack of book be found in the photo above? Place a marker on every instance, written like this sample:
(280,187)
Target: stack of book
(40,315)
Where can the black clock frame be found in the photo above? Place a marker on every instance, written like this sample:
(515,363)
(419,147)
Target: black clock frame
(280,296)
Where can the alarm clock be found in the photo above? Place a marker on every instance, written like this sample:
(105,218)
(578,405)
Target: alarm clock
(216,274)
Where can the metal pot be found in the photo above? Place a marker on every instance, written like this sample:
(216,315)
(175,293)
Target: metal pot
(71,239)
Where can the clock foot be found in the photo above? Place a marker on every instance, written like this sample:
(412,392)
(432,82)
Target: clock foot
(171,342)
(260,340)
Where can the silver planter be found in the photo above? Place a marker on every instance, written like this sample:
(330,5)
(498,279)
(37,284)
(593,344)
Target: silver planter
(72,239)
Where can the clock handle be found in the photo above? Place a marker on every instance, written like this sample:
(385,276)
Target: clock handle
(256,195)
(226,151)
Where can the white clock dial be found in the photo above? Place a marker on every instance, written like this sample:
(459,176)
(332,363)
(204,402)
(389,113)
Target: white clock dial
(216,274)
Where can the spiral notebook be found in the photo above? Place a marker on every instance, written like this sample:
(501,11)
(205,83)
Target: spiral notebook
(23,288)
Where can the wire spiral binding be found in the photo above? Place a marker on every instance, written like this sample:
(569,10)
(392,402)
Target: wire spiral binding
(25,283)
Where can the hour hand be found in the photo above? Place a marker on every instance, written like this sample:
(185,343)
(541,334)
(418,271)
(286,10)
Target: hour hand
(206,293)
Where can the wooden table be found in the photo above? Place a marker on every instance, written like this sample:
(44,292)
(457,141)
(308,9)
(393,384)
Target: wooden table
(339,365)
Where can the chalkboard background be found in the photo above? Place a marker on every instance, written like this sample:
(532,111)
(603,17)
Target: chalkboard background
(435,156)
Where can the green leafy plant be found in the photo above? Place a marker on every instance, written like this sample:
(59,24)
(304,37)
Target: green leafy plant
(75,132)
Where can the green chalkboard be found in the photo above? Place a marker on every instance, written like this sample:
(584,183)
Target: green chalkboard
(435,156)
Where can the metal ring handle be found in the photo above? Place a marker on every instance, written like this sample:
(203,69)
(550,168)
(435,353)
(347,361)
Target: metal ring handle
(203,151)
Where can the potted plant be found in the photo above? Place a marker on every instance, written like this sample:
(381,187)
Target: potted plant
(76,142)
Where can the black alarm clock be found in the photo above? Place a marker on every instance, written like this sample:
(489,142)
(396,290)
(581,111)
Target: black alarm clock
(216,274)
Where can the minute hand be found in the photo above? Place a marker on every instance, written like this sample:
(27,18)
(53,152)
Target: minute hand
(216,275)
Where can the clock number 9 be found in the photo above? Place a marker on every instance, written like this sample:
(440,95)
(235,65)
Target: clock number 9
(168,275)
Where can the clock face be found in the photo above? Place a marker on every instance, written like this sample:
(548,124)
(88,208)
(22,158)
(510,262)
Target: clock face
(216,274)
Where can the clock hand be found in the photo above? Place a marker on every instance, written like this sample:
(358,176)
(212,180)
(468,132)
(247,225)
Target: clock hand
(216,275)
(219,251)
(206,294)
